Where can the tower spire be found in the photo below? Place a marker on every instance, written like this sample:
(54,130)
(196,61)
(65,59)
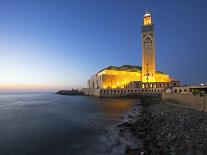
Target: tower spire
(147,18)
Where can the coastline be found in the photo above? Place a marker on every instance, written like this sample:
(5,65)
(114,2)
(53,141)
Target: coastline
(162,128)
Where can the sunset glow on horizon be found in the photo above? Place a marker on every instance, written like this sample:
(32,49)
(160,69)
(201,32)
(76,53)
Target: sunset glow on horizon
(52,45)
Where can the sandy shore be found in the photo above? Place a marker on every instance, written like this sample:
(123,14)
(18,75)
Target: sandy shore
(166,130)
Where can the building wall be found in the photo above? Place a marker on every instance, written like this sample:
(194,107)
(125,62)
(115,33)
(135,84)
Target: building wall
(91,92)
(113,79)
(121,92)
(160,84)
(188,100)
(162,78)
(190,89)
(120,79)
(128,92)
(148,53)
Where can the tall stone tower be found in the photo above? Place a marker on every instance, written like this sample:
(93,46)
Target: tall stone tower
(148,49)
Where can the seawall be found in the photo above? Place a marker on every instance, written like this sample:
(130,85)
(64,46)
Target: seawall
(121,92)
(198,102)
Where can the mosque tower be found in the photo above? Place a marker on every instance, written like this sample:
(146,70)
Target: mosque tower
(148,49)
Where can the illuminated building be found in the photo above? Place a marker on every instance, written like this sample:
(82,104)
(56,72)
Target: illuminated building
(128,76)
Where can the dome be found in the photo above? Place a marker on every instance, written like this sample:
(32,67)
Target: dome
(147,14)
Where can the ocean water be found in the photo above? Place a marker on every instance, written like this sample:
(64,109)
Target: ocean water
(47,124)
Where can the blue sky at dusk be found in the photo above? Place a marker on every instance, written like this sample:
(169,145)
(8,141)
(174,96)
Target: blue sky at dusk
(59,44)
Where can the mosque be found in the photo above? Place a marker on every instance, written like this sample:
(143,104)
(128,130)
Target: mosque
(133,77)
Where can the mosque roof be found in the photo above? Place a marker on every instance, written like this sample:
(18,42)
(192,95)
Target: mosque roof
(129,68)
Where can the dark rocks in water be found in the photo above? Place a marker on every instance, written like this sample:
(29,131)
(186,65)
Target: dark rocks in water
(70,92)
(166,129)
(123,124)
(130,151)
(130,116)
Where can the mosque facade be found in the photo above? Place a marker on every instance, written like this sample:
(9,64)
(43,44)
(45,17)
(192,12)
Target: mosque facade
(141,77)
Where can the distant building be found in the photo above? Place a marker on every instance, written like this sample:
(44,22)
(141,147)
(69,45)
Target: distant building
(128,76)
(197,89)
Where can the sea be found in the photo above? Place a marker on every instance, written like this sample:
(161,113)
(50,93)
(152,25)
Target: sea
(51,124)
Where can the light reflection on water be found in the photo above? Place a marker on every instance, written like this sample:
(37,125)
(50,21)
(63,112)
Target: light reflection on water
(53,124)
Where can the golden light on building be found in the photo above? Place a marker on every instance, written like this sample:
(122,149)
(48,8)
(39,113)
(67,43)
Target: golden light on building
(147,18)
(146,76)
(119,77)
(148,50)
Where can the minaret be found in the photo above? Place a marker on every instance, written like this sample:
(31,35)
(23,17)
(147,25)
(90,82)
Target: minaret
(148,49)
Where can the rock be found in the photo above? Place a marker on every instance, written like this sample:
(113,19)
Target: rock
(198,152)
(141,134)
(166,150)
(123,130)
(123,124)
(161,144)
(190,152)
(130,151)
(127,150)
(188,145)
(166,129)
(186,136)
(142,153)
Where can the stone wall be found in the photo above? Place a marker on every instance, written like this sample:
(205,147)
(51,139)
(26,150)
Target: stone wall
(121,92)
(189,100)
(91,92)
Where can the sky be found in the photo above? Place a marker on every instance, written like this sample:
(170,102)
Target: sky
(59,44)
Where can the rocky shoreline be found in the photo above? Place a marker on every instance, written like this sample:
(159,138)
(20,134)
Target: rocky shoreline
(165,129)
